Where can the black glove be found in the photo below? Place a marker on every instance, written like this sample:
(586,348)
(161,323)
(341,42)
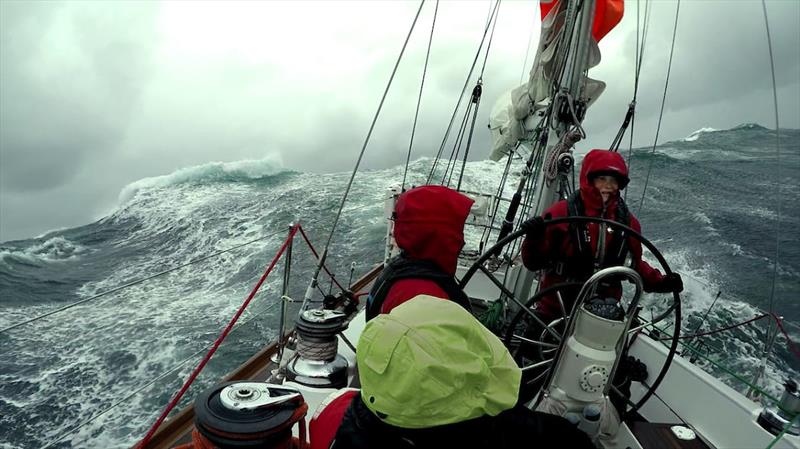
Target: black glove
(671,283)
(533,227)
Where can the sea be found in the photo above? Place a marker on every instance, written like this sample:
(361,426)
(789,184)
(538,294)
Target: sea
(163,274)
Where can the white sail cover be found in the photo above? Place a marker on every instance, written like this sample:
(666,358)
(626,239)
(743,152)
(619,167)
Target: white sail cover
(513,113)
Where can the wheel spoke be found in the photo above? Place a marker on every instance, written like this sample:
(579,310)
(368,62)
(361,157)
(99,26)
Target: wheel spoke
(539,377)
(537,365)
(518,302)
(534,342)
(561,305)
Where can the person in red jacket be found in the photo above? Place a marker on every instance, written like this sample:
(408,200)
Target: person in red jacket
(570,253)
(429,230)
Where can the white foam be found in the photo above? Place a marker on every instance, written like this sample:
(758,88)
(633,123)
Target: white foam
(251,169)
(696,134)
(52,250)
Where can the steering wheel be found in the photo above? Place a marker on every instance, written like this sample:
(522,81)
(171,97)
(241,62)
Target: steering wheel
(527,330)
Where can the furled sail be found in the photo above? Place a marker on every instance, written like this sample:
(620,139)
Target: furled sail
(509,119)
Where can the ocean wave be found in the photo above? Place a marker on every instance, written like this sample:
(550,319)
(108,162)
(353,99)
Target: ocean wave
(696,135)
(244,170)
(53,250)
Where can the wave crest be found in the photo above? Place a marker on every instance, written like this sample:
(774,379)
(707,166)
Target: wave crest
(248,169)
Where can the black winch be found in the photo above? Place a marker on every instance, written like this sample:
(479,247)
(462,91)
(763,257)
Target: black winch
(249,415)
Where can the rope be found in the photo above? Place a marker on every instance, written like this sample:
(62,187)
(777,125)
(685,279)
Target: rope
(419,99)
(562,147)
(131,284)
(716,331)
(791,344)
(461,97)
(705,315)
(780,322)
(218,342)
(722,367)
(663,101)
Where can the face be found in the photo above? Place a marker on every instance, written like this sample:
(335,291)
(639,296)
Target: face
(607,185)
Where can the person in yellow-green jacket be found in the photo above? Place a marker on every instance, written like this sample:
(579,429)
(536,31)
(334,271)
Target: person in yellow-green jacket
(432,377)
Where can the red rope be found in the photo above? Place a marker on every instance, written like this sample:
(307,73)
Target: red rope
(314,251)
(217,343)
(792,346)
(714,331)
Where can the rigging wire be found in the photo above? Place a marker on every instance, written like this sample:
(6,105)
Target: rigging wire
(461,97)
(451,161)
(493,18)
(663,102)
(769,341)
(778,153)
(638,70)
(527,52)
(361,155)
(419,99)
(639,58)
(131,284)
(476,100)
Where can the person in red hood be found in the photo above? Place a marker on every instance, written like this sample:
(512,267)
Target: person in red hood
(429,230)
(572,253)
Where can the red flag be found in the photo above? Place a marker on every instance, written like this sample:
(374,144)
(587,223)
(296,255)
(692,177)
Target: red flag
(607,15)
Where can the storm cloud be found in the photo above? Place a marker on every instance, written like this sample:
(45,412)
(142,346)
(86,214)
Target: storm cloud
(94,96)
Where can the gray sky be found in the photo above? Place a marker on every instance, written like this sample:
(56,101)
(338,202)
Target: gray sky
(95,95)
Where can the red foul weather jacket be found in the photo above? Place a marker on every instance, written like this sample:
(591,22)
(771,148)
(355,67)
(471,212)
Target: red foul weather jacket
(558,244)
(429,229)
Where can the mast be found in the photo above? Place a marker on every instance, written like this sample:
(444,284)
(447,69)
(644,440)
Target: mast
(568,102)
(566,106)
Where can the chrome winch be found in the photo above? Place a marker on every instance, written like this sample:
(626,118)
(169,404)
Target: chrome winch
(317,363)
(775,419)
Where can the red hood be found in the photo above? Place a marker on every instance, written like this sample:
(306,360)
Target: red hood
(429,224)
(598,162)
